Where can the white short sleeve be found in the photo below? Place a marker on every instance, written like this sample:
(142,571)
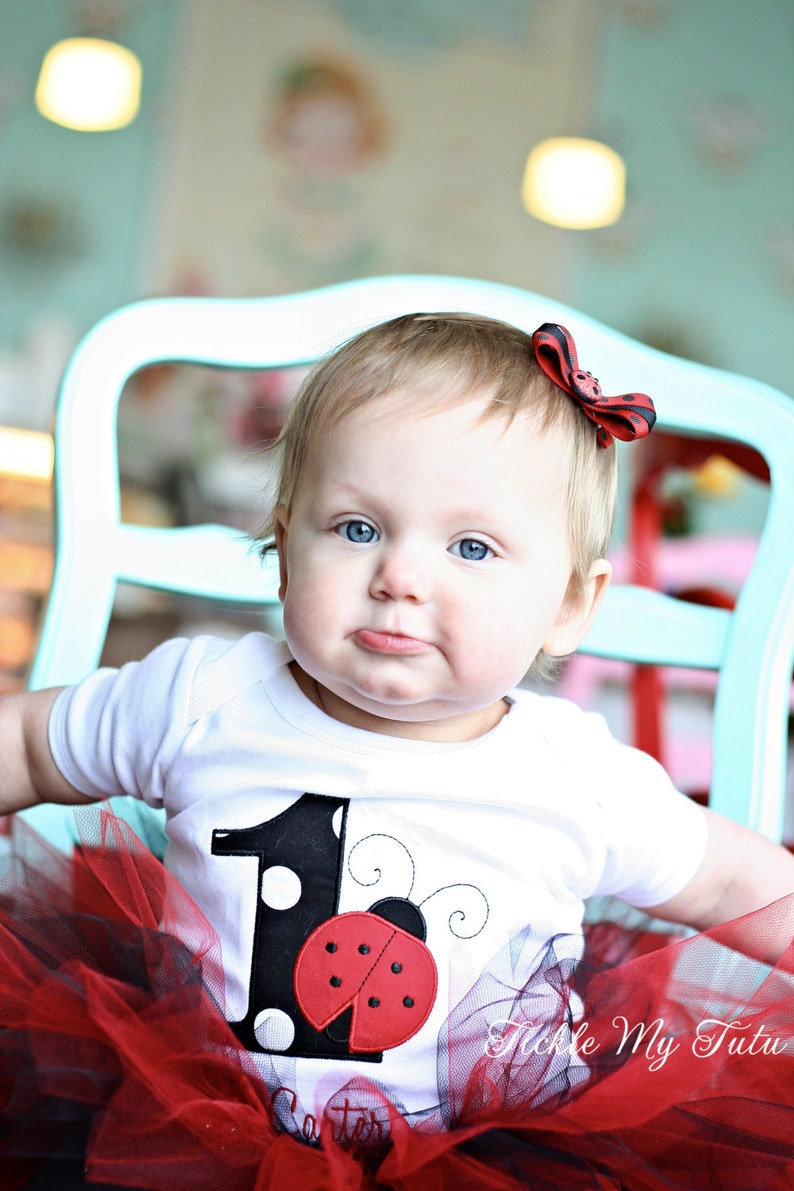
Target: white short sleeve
(656,836)
(110,734)
(647,839)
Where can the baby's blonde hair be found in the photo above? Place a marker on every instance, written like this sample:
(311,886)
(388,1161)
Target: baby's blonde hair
(441,360)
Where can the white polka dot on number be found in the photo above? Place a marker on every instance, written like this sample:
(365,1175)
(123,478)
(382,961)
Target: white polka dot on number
(274,1030)
(281,887)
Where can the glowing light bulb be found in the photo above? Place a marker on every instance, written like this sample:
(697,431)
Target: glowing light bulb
(27,454)
(89,84)
(573,182)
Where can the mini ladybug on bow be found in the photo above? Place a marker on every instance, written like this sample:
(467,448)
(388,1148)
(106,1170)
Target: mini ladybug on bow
(627,417)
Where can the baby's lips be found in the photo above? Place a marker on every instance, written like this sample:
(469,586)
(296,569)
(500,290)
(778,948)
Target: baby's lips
(400,644)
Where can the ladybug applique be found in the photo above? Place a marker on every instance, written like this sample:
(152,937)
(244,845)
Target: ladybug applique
(374,962)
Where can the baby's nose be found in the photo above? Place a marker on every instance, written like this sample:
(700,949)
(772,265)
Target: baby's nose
(402,573)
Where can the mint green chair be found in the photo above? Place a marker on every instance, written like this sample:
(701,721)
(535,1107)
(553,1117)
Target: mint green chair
(751,647)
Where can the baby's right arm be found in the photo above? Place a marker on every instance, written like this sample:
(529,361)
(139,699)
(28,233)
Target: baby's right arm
(28,773)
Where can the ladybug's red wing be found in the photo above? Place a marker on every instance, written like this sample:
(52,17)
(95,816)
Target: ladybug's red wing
(396,998)
(386,974)
(335,961)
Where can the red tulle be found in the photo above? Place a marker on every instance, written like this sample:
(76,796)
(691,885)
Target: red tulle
(118,1069)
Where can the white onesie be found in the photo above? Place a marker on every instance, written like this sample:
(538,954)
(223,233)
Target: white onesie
(384,905)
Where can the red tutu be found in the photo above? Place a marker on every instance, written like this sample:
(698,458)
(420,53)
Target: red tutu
(117,1068)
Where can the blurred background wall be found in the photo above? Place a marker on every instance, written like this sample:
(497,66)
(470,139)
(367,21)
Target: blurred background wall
(285,145)
(282,145)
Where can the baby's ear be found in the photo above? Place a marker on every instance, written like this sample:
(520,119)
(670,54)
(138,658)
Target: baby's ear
(280,528)
(577,612)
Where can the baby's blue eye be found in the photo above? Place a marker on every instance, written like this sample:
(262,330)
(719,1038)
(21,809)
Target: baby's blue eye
(360,532)
(471,550)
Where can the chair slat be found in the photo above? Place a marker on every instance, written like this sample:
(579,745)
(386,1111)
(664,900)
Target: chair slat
(212,561)
(644,626)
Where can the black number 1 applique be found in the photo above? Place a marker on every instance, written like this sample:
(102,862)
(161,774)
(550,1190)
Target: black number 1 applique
(323,984)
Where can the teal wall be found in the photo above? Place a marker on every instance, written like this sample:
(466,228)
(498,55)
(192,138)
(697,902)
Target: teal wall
(74,207)
(704,260)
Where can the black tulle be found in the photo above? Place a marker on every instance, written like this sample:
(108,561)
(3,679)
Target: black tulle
(117,1068)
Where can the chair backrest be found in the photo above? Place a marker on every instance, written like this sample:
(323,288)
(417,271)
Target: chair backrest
(752,647)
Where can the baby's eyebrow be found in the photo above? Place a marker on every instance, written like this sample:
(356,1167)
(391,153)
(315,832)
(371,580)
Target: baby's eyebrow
(348,492)
(350,497)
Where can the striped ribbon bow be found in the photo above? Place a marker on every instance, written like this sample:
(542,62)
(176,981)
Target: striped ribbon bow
(627,417)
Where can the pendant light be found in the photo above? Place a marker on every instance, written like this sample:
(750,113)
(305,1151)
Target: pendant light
(574,182)
(89,84)
(25,454)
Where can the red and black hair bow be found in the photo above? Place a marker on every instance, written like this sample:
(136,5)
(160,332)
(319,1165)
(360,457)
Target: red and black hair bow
(626,417)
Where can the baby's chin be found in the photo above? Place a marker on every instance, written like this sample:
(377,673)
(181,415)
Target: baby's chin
(411,720)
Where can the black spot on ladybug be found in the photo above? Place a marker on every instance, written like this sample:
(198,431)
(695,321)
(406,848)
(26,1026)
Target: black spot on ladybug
(335,982)
(373,1002)
(403,913)
(364,949)
(396,968)
(331,947)
(408,1002)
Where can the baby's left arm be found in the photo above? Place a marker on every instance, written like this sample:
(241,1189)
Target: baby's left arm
(741,871)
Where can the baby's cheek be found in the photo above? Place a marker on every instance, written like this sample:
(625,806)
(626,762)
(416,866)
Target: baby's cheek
(312,618)
(294,623)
